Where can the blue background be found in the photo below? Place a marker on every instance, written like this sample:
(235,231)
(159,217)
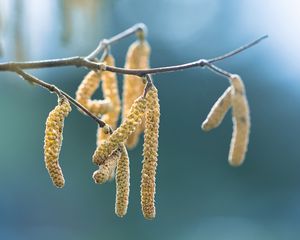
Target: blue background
(199,196)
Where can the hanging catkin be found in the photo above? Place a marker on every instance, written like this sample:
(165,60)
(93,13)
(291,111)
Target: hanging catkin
(53,140)
(110,92)
(218,111)
(86,89)
(122,183)
(121,134)
(150,154)
(104,173)
(137,58)
(241,122)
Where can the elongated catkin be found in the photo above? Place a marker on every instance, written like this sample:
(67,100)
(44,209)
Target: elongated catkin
(121,134)
(122,183)
(241,122)
(110,92)
(86,89)
(133,86)
(53,140)
(150,154)
(103,174)
(218,111)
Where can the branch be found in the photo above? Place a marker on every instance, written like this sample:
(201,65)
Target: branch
(53,88)
(86,62)
(89,62)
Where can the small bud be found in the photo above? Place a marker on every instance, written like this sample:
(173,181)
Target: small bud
(106,129)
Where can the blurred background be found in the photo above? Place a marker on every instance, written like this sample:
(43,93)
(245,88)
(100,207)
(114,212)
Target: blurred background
(199,196)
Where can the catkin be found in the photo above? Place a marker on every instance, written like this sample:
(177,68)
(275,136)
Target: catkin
(218,111)
(241,122)
(53,140)
(110,92)
(133,86)
(122,183)
(104,173)
(86,89)
(150,154)
(121,134)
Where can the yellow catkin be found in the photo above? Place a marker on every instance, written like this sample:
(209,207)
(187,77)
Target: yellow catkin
(104,173)
(137,58)
(122,183)
(241,122)
(111,92)
(218,111)
(86,89)
(53,140)
(150,154)
(121,134)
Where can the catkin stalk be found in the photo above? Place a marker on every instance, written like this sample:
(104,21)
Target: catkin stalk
(121,134)
(53,140)
(241,122)
(218,111)
(122,183)
(133,86)
(150,154)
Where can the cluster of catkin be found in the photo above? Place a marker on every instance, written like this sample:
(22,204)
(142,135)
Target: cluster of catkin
(113,149)
(140,114)
(234,97)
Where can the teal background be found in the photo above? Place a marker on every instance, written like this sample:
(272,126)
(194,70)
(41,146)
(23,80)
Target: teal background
(199,196)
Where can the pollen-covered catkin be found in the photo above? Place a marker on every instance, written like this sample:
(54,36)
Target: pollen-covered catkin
(111,92)
(122,183)
(53,140)
(121,134)
(150,154)
(86,89)
(241,122)
(104,173)
(137,58)
(218,111)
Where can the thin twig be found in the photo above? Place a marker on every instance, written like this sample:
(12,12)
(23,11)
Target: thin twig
(238,50)
(106,42)
(53,88)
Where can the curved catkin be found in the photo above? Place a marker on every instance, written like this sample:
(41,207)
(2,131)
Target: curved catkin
(86,89)
(104,173)
(137,58)
(218,111)
(122,183)
(110,92)
(53,140)
(121,134)
(241,122)
(150,154)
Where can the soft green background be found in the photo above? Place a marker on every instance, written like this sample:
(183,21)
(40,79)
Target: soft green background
(199,196)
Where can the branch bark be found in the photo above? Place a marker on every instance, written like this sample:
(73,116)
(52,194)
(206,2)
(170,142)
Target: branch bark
(89,62)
